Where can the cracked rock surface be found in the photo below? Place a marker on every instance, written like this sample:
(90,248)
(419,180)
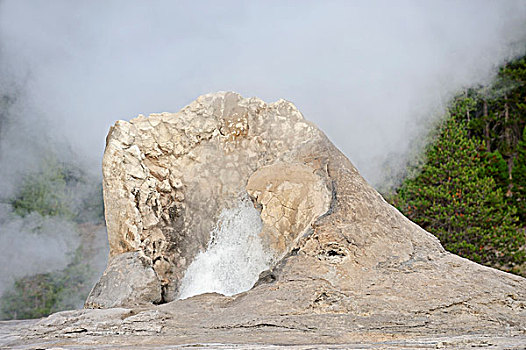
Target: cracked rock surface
(349,268)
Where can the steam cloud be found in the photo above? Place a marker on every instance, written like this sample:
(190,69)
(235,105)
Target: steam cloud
(372,74)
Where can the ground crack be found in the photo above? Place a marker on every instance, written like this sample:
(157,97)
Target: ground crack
(262,325)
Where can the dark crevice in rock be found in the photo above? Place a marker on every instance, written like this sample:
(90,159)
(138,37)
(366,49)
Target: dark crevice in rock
(265,324)
(271,275)
(265,277)
(335,253)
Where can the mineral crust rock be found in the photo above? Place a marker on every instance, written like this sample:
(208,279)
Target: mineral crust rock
(168,176)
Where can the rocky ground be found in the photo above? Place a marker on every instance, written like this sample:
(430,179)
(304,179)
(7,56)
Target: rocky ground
(349,270)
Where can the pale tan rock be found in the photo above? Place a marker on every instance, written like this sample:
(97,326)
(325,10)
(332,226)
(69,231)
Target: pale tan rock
(292,196)
(167,177)
(355,271)
(117,286)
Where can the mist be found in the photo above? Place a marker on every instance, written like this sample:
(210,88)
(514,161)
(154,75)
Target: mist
(368,73)
(373,75)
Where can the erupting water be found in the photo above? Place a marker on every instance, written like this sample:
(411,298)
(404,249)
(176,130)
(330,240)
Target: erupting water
(234,258)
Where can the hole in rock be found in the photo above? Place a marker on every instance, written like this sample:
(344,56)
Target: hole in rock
(234,257)
(334,253)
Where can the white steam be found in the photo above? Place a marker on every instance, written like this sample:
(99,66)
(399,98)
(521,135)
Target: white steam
(234,257)
(370,73)
(33,244)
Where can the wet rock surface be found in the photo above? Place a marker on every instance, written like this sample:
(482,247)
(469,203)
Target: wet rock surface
(349,270)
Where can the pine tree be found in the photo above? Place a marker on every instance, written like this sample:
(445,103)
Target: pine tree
(519,176)
(455,198)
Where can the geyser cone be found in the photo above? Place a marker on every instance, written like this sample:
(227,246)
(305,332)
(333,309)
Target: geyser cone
(168,177)
(343,260)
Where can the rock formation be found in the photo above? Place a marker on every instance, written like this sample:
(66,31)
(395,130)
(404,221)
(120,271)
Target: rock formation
(167,177)
(347,268)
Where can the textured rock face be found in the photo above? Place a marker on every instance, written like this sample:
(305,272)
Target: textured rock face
(167,177)
(349,268)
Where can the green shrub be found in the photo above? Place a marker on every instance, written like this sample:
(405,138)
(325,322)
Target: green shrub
(42,294)
(59,189)
(30,297)
(45,191)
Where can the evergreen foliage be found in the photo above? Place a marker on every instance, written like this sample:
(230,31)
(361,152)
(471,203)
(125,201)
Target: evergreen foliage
(471,190)
(45,192)
(30,297)
(39,295)
(59,189)
(519,176)
(455,198)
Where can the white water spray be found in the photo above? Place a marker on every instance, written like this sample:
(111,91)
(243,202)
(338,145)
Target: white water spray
(234,258)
